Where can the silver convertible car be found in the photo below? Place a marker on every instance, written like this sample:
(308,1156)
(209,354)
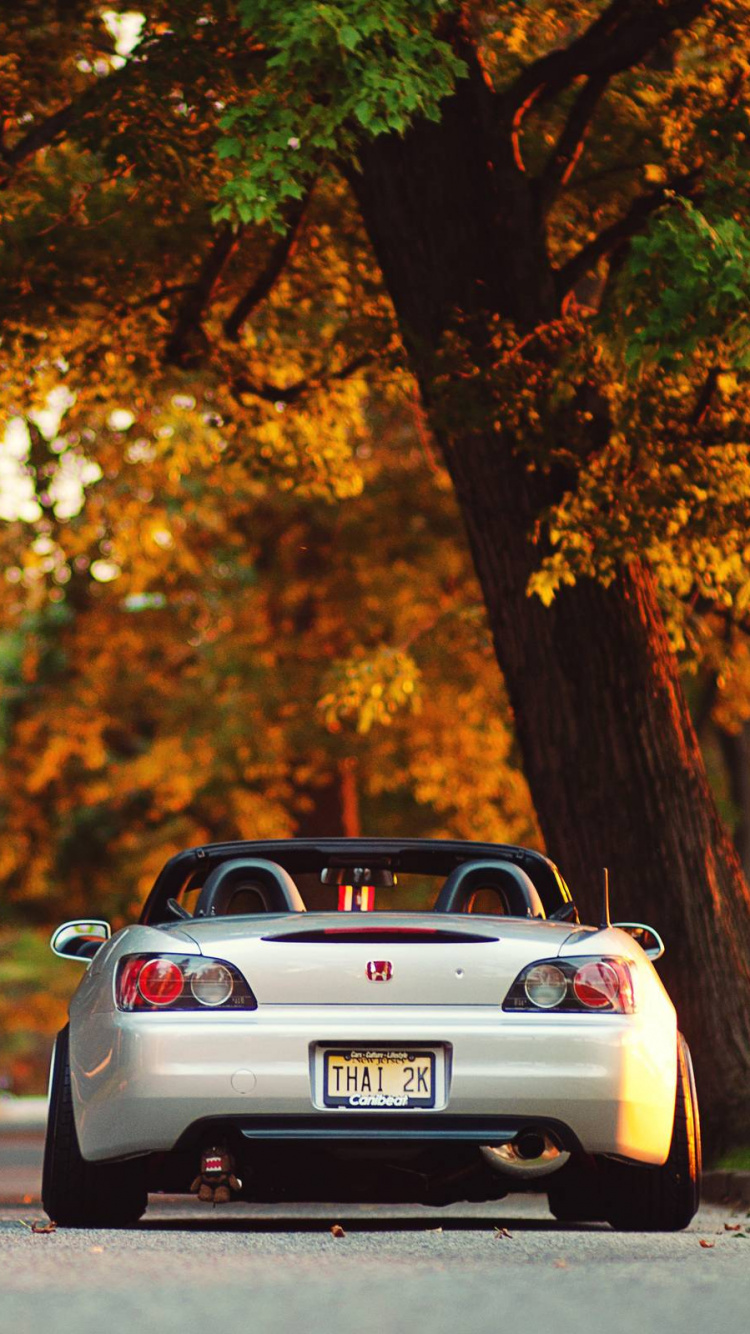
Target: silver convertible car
(370,1020)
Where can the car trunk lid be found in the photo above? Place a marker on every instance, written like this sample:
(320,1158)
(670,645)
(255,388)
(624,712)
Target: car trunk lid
(399,959)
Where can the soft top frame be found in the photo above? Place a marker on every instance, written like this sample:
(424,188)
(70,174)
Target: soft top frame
(428,856)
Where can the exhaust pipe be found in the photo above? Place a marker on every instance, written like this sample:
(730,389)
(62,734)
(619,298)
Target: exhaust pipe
(530,1144)
(533,1153)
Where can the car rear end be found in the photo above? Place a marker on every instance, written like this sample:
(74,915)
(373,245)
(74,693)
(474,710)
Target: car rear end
(293,1034)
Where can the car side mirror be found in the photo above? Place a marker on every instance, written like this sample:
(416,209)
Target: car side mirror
(80,940)
(649,940)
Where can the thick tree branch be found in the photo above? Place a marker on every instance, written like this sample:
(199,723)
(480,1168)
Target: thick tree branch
(614,239)
(706,394)
(291,393)
(270,393)
(54,126)
(620,232)
(621,37)
(562,161)
(281,252)
(154,298)
(187,327)
(246,63)
(44,133)
(604,173)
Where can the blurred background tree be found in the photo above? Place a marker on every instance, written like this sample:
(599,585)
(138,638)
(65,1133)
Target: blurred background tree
(265,272)
(237,601)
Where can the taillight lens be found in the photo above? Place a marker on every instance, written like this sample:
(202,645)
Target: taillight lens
(160,981)
(581,985)
(545,985)
(180,982)
(600,985)
(211,984)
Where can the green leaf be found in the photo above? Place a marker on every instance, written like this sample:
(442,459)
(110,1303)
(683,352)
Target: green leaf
(314,91)
(229,148)
(349,37)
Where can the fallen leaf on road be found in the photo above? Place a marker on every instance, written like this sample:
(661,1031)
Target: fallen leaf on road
(337,1230)
(44,1227)
(732,1227)
(707,1244)
(561,1264)
(502,1232)
(96,1250)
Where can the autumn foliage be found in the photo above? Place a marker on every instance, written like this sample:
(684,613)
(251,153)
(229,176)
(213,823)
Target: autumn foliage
(238,599)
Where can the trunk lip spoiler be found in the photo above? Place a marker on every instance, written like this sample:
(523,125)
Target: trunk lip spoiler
(432,935)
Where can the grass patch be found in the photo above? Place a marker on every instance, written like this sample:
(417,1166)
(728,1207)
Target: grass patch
(34,991)
(737,1160)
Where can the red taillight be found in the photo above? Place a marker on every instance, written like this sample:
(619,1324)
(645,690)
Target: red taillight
(575,986)
(604,985)
(150,982)
(160,981)
(127,983)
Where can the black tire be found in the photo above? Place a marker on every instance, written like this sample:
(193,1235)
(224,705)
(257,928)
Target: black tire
(76,1193)
(662,1199)
(575,1193)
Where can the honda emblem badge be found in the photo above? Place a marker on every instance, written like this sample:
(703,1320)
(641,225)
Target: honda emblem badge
(379,970)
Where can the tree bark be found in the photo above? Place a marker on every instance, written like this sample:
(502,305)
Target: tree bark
(735,747)
(608,746)
(331,810)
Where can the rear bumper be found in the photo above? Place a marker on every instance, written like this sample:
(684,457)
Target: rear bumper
(140,1082)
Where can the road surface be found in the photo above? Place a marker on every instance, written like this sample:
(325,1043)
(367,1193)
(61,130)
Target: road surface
(399,1270)
(453,1271)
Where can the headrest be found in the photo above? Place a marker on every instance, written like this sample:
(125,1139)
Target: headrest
(274,884)
(520,892)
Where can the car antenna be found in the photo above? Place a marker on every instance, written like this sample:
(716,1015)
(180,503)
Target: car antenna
(606,921)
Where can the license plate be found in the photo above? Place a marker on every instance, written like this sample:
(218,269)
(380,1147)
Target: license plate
(367,1077)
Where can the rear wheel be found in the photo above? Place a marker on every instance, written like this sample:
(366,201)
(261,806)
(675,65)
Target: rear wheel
(575,1194)
(76,1193)
(662,1199)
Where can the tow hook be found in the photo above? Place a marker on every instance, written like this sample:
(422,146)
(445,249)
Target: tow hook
(216,1182)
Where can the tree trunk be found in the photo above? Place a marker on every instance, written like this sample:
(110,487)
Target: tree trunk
(331,809)
(618,779)
(608,746)
(735,748)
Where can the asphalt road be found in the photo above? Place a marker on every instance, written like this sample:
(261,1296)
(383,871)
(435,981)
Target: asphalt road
(394,1269)
(191,1267)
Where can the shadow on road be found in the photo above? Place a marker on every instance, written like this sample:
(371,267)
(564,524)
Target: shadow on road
(178,1215)
(296,1224)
